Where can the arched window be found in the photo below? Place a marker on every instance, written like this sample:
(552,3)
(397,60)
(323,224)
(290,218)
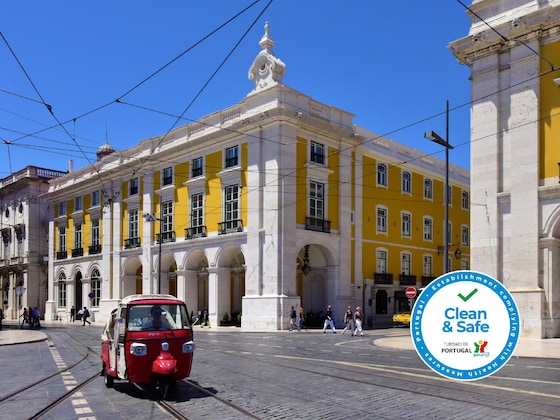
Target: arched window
(95,287)
(62,290)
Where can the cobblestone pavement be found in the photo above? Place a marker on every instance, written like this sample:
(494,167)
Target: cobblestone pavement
(290,375)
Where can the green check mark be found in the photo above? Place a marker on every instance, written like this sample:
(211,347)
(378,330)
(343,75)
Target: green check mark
(470,295)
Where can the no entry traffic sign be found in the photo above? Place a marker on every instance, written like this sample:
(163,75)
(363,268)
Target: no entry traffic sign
(410,292)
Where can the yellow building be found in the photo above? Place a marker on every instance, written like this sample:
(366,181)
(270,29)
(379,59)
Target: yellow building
(279,200)
(513,49)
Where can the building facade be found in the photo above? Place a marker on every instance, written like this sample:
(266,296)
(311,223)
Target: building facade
(513,51)
(279,200)
(24,227)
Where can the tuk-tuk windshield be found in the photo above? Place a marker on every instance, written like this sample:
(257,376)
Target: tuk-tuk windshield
(158,317)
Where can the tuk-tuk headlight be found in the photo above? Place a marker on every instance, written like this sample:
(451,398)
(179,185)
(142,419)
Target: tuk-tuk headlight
(188,347)
(138,349)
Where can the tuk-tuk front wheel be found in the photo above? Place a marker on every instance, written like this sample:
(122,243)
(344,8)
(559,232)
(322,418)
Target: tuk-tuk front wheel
(108,379)
(164,386)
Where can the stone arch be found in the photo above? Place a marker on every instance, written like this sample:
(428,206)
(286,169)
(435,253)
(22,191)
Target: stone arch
(230,263)
(313,287)
(131,282)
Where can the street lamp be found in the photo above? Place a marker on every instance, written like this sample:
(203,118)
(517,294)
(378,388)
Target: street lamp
(433,136)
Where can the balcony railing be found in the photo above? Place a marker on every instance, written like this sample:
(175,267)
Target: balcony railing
(383,278)
(166,237)
(231,226)
(318,225)
(78,252)
(196,232)
(61,255)
(407,280)
(131,243)
(427,280)
(94,249)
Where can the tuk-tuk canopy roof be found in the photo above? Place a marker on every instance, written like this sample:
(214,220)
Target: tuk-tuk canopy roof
(150,299)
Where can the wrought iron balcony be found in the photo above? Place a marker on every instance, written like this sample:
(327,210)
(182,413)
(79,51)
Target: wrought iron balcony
(78,252)
(196,232)
(231,226)
(94,249)
(383,278)
(427,280)
(61,255)
(318,225)
(131,243)
(166,237)
(407,280)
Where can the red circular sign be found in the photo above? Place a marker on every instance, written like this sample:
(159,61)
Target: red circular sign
(410,292)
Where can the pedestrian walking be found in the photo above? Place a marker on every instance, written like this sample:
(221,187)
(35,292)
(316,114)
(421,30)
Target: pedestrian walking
(301,325)
(72,314)
(293,319)
(35,318)
(329,322)
(205,318)
(85,316)
(348,321)
(358,317)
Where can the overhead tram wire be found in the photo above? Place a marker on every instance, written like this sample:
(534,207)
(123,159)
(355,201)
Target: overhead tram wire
(49,108)
(207,82)
(200,41)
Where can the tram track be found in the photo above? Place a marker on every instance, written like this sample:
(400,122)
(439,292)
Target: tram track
(414,381)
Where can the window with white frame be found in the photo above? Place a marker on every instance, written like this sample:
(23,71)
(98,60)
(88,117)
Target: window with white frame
(77,235)
(167,216)
(62,208)
(406,182)
(95,236)
(133,222)
(381,174)
(449,195)
(62,290)
(317,153)
(197,167)
(381,261)
(405,263)
(428,188)
(464,265)
(78,204)
(465,200)
(232,156)
(316,200)
(95,287)
(197,210)
(381,219)
(62,239)
(405,224)
(464,235)
(448,233)
(428,228)
(427,266)
(133,186)
(231,207)
(167,176)
(95,198)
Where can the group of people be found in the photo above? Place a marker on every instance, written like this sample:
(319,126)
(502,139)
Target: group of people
(352,321)
(31,317)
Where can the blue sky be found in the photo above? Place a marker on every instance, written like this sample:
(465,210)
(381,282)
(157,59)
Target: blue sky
(386,62)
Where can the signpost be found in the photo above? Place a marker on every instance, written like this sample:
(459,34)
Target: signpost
(465,325)
(410,292)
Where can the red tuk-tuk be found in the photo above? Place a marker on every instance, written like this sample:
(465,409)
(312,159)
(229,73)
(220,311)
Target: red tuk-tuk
(148,339)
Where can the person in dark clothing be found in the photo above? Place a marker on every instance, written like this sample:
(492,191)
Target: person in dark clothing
(85,316)
(329,322)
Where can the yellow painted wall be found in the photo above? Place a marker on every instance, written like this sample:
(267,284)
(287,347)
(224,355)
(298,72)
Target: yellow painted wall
(301,186)
(549,113)
(213,205)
